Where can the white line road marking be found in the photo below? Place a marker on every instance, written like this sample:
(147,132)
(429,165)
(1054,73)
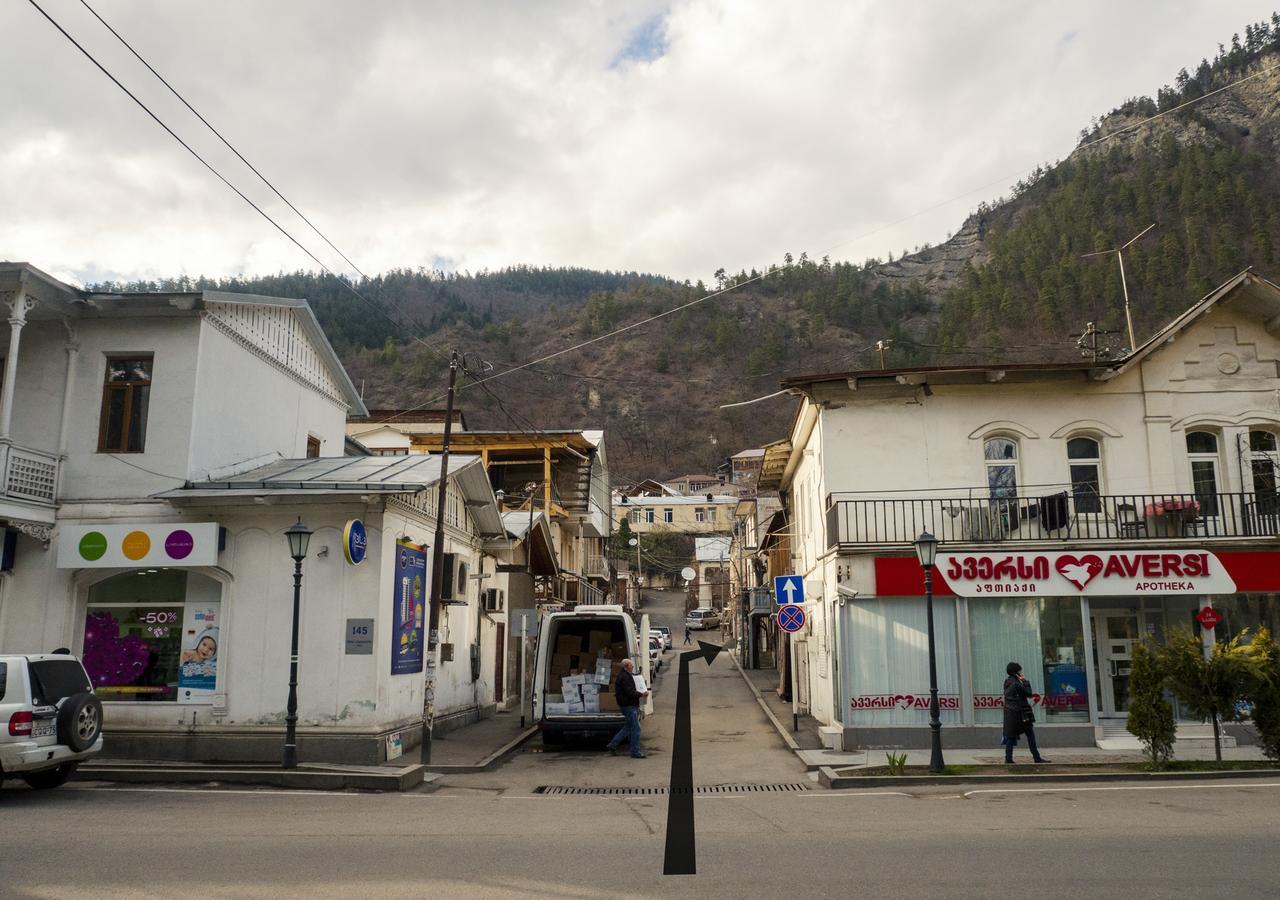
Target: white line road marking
(854,794)
(1215,785)
(264,793)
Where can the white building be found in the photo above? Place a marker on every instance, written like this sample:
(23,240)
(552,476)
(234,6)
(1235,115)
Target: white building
(155,447)
(1082,507)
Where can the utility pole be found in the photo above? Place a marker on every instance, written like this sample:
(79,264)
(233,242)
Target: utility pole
(437,568)
(881,347)
(1124,286)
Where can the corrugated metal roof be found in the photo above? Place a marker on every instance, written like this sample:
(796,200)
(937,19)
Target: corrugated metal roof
(364,474)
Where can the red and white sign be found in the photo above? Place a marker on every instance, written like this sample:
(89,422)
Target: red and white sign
(952,701)
(1098,573)
(1208,618)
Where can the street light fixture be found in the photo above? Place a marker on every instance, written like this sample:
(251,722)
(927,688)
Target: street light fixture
(927,553)
(299,536)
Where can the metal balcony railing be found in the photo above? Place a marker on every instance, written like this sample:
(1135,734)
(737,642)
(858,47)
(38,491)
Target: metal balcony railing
(28,475)
(854,520)
(760,599)
(597,567)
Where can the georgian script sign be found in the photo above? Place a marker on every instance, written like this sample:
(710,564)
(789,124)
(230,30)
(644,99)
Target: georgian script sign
(1092,573)
(1066,701)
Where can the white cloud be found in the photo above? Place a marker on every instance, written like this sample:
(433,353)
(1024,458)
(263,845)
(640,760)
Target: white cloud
(674,138)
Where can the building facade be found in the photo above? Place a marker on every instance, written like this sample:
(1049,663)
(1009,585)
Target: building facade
(1082,508)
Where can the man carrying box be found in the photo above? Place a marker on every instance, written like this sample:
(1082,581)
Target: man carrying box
(628,698)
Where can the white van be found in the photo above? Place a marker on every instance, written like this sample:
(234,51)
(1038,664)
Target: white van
(580,652)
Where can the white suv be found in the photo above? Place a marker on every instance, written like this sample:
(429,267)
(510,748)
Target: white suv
(50,719)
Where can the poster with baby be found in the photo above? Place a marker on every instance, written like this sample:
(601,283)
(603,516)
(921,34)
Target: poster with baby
(198,663)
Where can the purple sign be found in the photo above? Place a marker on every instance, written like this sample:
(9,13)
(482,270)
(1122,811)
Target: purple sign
(179,544)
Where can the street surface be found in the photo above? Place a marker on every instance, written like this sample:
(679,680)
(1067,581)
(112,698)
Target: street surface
(489,835)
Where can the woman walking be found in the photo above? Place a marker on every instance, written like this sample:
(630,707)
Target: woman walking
(1018,716)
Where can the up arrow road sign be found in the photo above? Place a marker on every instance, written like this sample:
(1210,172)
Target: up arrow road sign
(788,589)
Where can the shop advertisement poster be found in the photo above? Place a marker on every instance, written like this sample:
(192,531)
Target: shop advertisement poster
(1099,573)
(408,609)
(198,664)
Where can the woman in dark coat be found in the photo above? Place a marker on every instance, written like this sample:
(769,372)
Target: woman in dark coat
(1018,717)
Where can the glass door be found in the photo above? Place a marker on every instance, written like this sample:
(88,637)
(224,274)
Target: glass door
(1115,632)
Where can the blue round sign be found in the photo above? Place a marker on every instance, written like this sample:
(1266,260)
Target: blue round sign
(791,617)
(355,542)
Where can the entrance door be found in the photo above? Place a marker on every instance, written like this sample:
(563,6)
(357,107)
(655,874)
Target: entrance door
(1114,634)
(500,663)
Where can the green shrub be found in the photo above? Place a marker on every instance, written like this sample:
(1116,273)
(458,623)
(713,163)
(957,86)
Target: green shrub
(897,763)
(1208,686)
(1151,717)
(1264,692)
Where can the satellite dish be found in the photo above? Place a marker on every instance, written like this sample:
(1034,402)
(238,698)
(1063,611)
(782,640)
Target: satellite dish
(687,573)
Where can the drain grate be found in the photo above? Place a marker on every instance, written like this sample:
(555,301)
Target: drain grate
(782,788)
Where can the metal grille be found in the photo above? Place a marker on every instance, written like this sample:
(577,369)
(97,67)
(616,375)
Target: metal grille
(30,476)
(782,788)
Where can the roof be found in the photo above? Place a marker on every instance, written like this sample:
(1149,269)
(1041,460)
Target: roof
(408,416)
(712,549)
(695,478)
(680,500)
(776,455)
(354,476)
(749,454)
(542,553)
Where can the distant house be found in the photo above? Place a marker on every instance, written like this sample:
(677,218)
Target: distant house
(712,560)
(388,432)
(706,514)
(649,487)
(745,466)
(695,484)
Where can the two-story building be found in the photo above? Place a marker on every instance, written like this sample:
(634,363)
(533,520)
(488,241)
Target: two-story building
(1082,507)
(155,447)
(701,514)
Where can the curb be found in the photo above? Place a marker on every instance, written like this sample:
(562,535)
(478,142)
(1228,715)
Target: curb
(490,762)
(828,778)
(764,705)
(303,778)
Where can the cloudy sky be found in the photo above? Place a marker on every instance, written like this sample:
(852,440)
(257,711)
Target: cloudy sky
(673,137)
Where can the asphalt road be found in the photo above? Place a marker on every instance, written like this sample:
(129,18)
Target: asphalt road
(490,835)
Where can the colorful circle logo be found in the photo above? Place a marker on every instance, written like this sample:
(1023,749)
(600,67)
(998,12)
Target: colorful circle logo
(136,544)
(93,545)
(355,542)
(179,544)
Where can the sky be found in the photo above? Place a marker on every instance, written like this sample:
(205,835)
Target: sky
(669,137)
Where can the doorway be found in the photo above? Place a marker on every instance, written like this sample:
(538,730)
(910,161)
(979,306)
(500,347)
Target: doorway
(500,663)
(1115,631)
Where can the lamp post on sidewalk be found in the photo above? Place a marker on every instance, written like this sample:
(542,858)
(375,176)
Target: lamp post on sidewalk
(299,536)
(927,553)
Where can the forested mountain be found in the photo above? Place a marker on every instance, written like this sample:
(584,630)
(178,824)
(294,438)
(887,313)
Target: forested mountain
(1014,283)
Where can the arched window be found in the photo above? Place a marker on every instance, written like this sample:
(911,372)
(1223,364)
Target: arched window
(1084,459)
(1001,459)
(1264,464)
(1202,453)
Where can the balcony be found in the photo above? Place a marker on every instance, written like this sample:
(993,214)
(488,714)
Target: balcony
(28,480)
(597,567)
(860,521)
(759,600)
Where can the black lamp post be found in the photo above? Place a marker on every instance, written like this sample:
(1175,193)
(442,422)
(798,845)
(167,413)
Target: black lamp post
(927,553)
(299,536)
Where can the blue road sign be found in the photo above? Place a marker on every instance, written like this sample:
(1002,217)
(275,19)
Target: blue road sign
(791,618)
(788,589)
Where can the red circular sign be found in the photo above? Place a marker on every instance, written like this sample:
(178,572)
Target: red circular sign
(1208,618)
(790,617)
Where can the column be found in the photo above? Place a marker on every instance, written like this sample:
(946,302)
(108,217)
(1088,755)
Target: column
(73,354)
(18,308)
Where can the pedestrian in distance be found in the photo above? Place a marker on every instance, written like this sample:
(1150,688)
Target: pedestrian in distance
(1019,719)
(628,698)
(686,634)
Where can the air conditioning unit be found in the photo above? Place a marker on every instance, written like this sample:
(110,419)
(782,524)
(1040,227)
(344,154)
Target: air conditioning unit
(494,599)
(453,580)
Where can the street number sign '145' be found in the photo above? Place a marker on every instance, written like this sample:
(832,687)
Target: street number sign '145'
(788,589)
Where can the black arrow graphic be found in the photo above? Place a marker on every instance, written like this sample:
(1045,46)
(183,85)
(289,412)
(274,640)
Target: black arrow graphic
(681,856)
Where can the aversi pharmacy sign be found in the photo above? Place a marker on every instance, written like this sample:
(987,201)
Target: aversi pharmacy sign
(1100,573)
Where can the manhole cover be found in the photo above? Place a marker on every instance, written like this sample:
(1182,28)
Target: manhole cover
(781,788)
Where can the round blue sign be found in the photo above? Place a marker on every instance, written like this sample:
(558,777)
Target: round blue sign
(791,618)
(355,542)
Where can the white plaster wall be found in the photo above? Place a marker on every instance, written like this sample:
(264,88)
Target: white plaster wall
(37,398)
(248,412)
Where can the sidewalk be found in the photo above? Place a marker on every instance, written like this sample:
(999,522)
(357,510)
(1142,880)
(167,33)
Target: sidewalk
(477,747)
(765,683)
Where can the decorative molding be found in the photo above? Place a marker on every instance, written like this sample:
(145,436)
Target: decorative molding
(992,429)
(1211,420)
(35,530)
(1085,425)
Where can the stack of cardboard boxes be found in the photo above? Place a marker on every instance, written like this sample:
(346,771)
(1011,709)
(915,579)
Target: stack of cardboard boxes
(583,673)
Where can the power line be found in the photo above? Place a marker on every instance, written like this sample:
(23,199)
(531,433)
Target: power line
(220,137)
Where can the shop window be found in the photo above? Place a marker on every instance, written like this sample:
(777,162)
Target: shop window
(1046,637)
(153,636)
(126,396)
(1084,459)
(1202,455)
(885,661)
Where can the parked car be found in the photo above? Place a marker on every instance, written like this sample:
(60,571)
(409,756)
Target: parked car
(660,637)
(666,635)
(655,653)
(702,618)
(50,718)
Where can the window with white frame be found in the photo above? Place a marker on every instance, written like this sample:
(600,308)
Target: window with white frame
(648,516)
(1000,454)
(1264,466)
(1202,455)
(699,514)
(668,515)
(711,513)
(1084,460)
(633,516)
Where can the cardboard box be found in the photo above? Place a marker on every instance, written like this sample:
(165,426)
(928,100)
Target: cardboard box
(590,689)
(575,706)
(591,704)
(608,703)
(569,643)
(561,663)
(556,709)
(598,640)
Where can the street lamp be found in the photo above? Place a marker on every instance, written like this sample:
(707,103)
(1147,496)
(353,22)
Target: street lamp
(927,553)
(299,536)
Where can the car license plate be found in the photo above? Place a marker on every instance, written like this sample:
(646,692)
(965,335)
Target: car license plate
(41,729)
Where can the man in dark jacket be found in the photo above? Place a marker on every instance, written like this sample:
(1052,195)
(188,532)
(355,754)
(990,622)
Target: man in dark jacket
(1019,718)
(629,702)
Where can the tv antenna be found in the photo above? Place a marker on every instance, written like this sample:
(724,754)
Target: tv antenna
(1119,252)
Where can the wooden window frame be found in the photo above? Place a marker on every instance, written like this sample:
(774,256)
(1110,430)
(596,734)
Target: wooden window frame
(313,441)
(128,389)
